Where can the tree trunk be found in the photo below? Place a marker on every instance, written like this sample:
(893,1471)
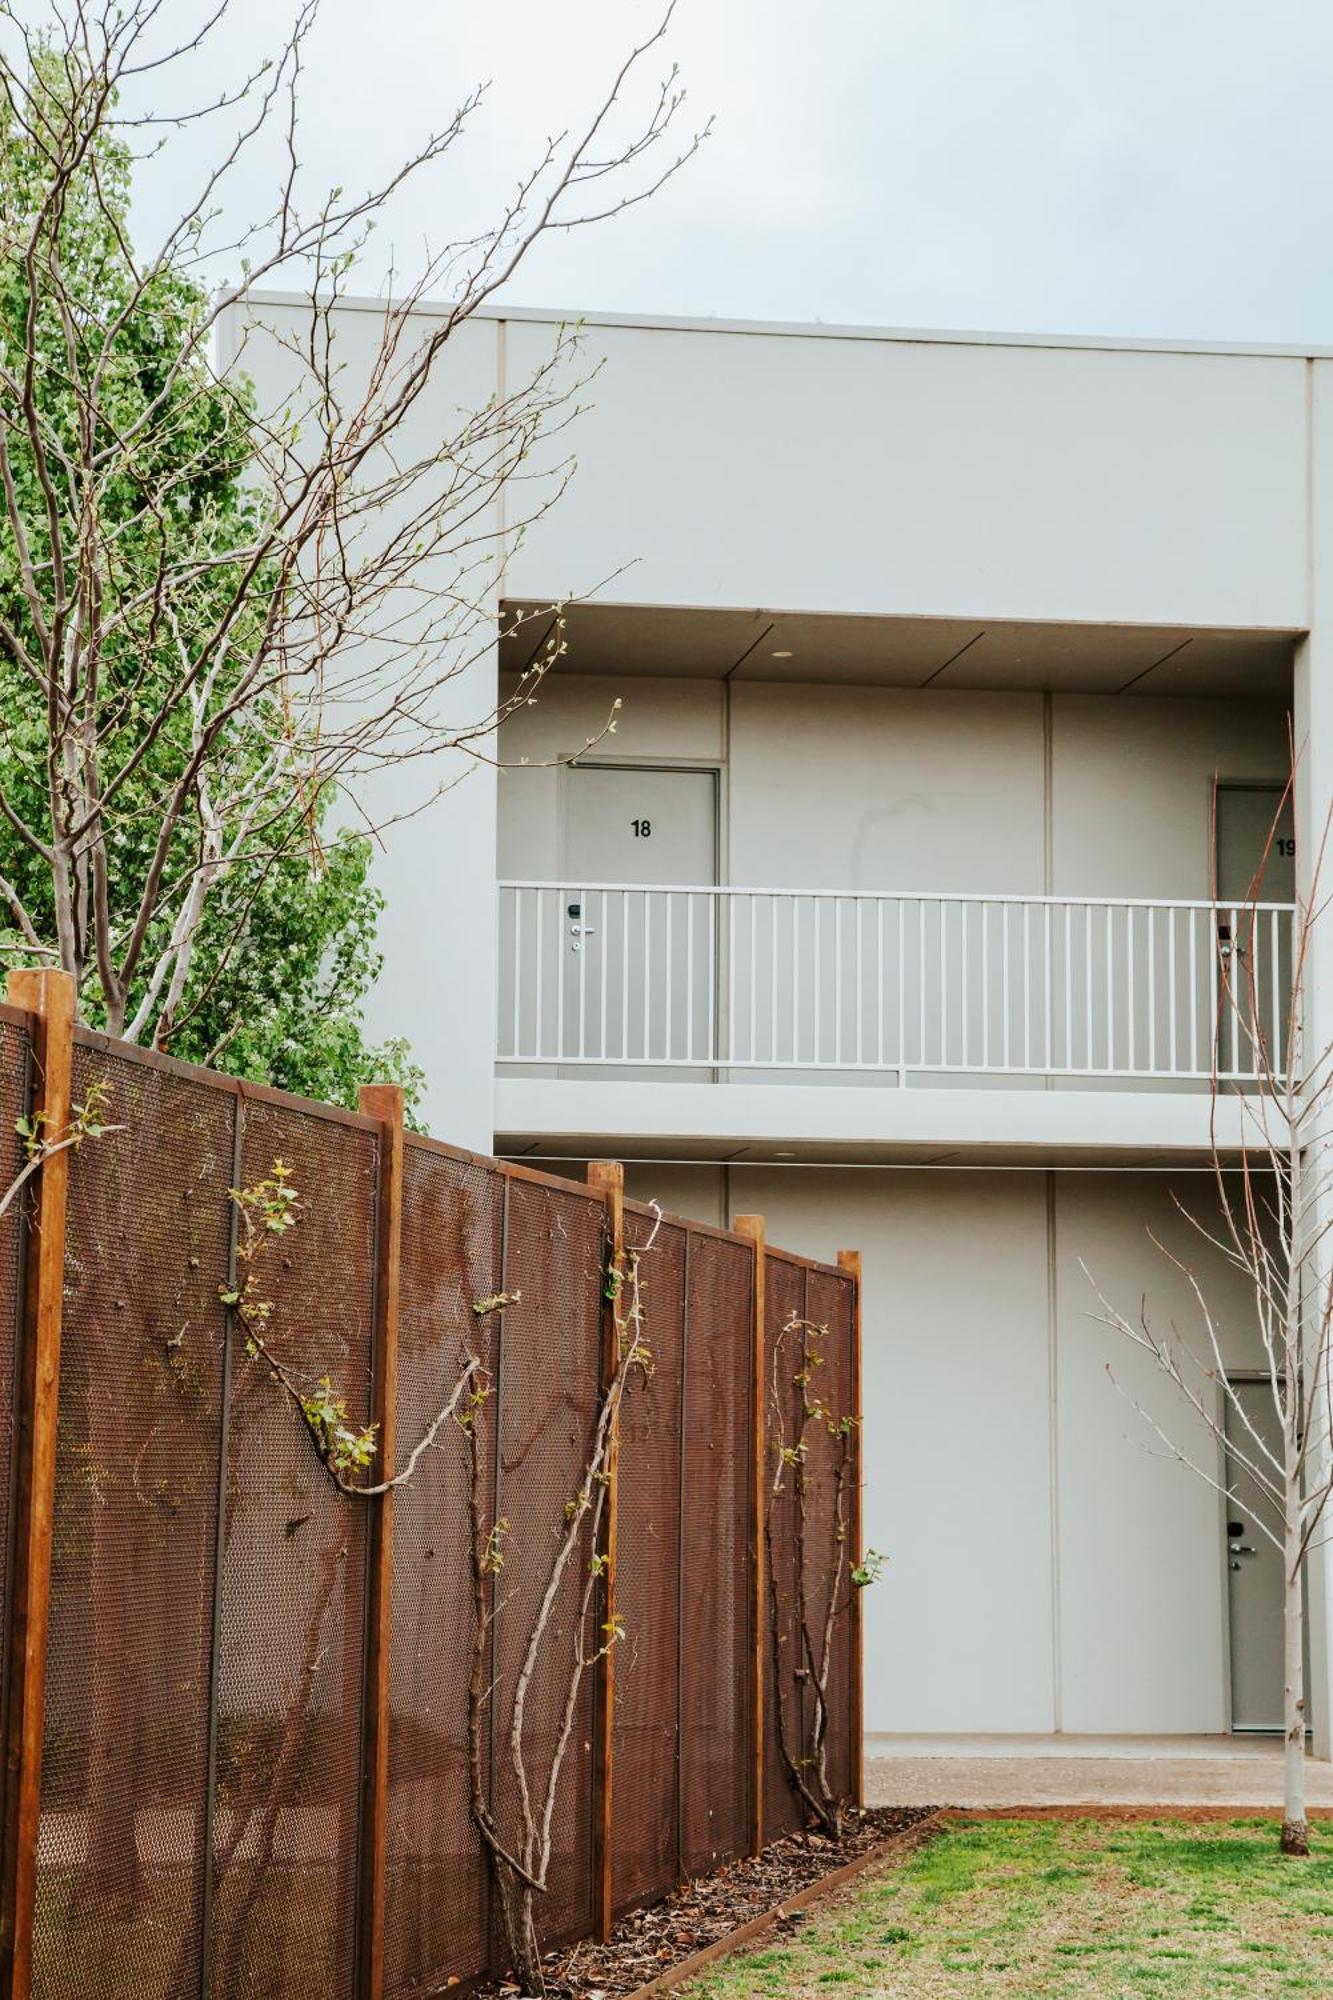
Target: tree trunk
(1295,1827)
(516,1904)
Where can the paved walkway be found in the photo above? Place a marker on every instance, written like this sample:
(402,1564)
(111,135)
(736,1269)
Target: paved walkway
(1082,1770)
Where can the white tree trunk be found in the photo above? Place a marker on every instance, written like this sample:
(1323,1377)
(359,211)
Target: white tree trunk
(1295,1829)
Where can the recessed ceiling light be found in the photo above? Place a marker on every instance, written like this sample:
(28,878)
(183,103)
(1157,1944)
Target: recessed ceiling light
(781,654)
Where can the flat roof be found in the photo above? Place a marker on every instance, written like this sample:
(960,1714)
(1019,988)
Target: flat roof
(821,330)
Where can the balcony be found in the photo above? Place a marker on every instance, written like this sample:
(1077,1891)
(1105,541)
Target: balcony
(724,985)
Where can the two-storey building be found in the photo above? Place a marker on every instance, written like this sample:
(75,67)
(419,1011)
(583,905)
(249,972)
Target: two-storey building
(955,679)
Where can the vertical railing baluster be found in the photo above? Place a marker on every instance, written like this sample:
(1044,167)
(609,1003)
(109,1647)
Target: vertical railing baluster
(624,973)
(773,909)
(603,916)
(516,1031)
(689,976)
(943,983)
(647,974)
(714,919)
(1110,988)
(669,898)
(1151,916)
(1089,1016)
(1027,986)
(582,943)
(985,909)
(858,907)
(1276,1060)
(1048,985)
(1006,975)
(837,995)
(902,992)
(1194,990)
(921,973)
(1173,947)
(1068,909)
(795,979)
(731,976)
(1129,987)
(816,973)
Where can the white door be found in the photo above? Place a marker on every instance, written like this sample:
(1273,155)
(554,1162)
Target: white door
(1256,863)
(1254,1568)
(639,958)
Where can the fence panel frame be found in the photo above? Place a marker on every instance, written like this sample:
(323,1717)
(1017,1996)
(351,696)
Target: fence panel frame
(384,1103)
(49,997)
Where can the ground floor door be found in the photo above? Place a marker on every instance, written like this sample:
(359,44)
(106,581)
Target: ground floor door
(639,964)
(1254,1566)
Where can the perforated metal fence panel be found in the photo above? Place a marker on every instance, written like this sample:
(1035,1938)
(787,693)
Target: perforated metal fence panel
(15,1060)
(645,1799)
(437,1900)
(784,1300)
(548,1386)
(829,1476)
(291,1662)
(715,1654)
(204,1782)
(125,1769)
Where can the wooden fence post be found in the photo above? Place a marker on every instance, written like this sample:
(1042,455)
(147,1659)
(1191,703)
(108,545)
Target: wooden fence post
(608,1177)
(49,996)
(850,1261)
(383,1102)
(753,1227)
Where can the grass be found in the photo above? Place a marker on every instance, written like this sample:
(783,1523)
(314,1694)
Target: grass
(1063,1910)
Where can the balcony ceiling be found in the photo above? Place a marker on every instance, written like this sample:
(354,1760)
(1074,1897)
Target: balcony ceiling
(680,643)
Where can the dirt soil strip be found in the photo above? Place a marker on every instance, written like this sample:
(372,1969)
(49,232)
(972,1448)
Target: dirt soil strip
(897,1845)
(657,1943)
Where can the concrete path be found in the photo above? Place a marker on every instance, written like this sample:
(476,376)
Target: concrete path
(1082,1770)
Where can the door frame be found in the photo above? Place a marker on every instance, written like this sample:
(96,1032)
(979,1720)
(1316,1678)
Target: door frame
(1216,786)
(700,767)
(1241,1375)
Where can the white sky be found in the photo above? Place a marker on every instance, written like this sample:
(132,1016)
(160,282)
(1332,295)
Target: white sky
(1158,167)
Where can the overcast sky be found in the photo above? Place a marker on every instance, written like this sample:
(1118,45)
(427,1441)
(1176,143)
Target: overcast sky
(1159,167)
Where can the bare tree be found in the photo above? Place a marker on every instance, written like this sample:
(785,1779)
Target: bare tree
(811,1446)
(216,616)
(561,1643)
(1270,1228)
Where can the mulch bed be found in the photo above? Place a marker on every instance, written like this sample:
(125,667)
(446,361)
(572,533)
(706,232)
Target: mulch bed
(649,1942)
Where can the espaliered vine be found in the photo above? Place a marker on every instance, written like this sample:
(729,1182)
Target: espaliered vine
(266,1211)
(520,1865)
(799,1348)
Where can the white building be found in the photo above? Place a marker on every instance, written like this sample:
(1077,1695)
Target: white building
(929,648)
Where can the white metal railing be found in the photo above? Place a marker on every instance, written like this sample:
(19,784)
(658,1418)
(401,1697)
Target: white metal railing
(706,979)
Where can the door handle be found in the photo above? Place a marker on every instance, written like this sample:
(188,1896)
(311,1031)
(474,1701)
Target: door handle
(1241,1549)
(583,930)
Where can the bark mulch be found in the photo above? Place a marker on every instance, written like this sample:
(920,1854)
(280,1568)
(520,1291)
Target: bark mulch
(649,1942)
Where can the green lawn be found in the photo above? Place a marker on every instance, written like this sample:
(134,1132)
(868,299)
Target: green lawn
(1078,1909)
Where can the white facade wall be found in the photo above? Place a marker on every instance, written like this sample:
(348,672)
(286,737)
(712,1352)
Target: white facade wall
(889,788)
(1050,1567)
(820,472)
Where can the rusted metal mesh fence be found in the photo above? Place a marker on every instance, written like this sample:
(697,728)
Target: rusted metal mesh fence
(207,1827)
(809,1533)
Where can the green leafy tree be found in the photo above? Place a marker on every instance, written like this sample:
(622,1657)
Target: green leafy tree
(282,952)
